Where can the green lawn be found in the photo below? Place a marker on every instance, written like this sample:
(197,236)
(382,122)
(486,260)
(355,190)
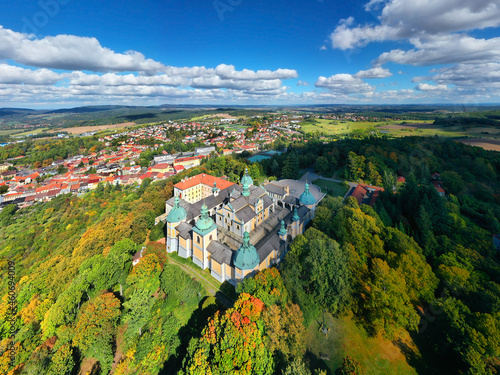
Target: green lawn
(332,188)
(203,276)
(10,131)
(29,132)
(376,355)
(333,127)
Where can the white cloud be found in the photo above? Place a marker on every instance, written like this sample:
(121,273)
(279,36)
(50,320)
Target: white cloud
(146,78)
(303,83)
(70,52)
(445,49)
(17,75)
(344,84)
(375,72)
(229,72)
(428,87)
(482,76)
(404,19)
(323,48)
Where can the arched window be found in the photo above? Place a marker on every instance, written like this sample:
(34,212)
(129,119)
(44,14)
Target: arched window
(198,239)
(210,238)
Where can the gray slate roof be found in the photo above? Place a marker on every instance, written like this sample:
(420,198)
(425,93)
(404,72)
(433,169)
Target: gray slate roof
(272,188)
(245,214)
(220,252)
(184,230)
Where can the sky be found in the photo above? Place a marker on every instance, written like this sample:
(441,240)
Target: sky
(68,53)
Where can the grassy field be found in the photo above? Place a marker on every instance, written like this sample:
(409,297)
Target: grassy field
(376,355)
(29,132)
(85,129)
(487,144)
(204,277)
(400,129)
(332,188)
(333,127)
(9,132)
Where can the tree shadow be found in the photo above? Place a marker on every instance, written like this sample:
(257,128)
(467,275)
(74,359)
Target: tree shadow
(317,363)
(192,329)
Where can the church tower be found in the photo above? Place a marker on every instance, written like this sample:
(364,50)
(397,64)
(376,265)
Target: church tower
(308,200)
(174,218)
(204,232)
(246,182)
(246,258)
(295,223)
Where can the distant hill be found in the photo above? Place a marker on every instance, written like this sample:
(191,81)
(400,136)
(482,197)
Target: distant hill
(16,111)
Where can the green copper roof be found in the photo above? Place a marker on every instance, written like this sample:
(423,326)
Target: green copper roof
(295,215)
(204,222)
(214,189)
(282,231)
(246,258)
(307,198)
(178,213)
(246,179)
(246,182)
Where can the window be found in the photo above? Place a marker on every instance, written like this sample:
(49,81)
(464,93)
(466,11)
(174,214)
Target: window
(210,238)
(237,227)
(198,239)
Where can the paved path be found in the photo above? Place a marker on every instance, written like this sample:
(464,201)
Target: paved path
(223,298)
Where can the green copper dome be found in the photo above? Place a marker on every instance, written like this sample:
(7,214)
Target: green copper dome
(246,182)
(178,213)
(205,222)
(282,231)
(246,258)
(295,215)
(246,179)
(214,189)
(307,198)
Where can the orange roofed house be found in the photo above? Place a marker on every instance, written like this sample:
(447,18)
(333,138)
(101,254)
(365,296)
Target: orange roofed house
(366,194)
(233,230)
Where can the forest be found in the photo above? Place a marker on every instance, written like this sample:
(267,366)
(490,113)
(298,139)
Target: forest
(416,263)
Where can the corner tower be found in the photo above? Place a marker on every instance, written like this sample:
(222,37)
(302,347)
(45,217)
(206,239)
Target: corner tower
(176,215)
(204,232)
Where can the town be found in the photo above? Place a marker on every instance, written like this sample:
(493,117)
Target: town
(117,163)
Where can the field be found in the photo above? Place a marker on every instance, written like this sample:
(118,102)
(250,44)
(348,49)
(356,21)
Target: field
(216,115)
(332,127)
(401,129)
(487,144)
(424,129)
(10,131)
(30,132)
(332,188)
(86,129)
(376,355)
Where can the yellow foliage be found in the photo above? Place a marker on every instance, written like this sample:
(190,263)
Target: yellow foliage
(42,309)
(28,314)
(106,251)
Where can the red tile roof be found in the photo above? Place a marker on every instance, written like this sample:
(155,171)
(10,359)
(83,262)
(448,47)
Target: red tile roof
(205,179)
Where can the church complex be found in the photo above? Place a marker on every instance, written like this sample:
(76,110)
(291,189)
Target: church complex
(236,230)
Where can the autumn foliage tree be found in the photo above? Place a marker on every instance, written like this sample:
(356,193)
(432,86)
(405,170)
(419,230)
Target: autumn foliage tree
(231,343)
(95,328)
(267,286)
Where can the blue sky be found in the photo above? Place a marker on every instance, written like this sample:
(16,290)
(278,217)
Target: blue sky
(64,53)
